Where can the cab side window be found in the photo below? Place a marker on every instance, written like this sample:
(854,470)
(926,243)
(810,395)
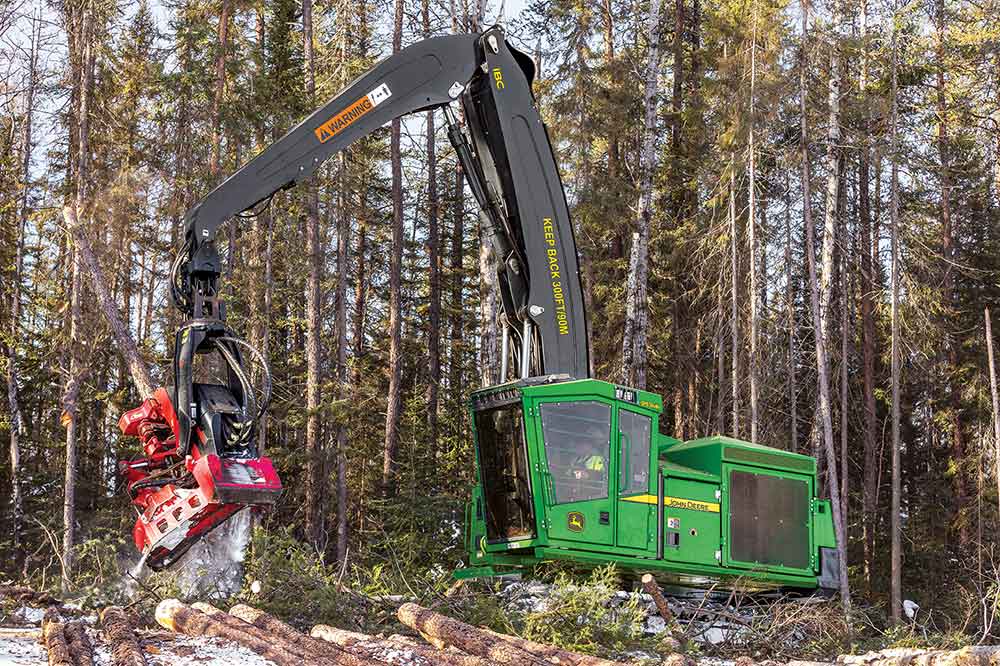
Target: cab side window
(633,466)
(578,449)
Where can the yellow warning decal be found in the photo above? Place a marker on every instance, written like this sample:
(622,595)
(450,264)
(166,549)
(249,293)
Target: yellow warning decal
(676,503)
(355,110)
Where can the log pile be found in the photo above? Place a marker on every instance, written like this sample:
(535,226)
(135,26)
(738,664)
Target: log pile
(449,642)
(66,643)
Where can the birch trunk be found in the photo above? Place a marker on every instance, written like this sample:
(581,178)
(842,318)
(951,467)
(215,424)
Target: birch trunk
(74,379)
(637,308)
(995,398)
(820,293)
(867,315)
(895,585)
(394,402)
(13,401)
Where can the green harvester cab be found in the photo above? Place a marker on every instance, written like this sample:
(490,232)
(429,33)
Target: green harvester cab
(578,470)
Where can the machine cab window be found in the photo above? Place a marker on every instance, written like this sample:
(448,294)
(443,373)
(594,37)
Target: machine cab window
(633,465)
(577,439)
(505,474)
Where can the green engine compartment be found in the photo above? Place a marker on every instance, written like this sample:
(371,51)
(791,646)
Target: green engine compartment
(577,470)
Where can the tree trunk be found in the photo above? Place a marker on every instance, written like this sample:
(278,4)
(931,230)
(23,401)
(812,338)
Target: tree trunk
(434,274)
(995,399)
(845,335)
(315,509)
(869,486)
(895,585)
(948,280)
(793,389)
(220,89)
(752,233)
(124,341)
(74,379)
(734,321)
(637,306)
(360,292)
(13,402)
(394,400)
(820,294)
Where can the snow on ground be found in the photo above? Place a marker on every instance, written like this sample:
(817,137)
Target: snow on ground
(20,647)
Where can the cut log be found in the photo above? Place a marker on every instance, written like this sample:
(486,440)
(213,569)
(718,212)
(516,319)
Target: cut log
(79,644)
(315,647)
(395,649)
(465,637)
(26,595)
(119,629)
(552,653)
(294,646)
(54,639)
(976,655)
(173,615)
(678,659)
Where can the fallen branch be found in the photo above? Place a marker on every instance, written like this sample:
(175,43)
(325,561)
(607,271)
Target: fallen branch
(173,615)
(552,653)
(653,590)
(465,637)
(315,648)
(26,595)
(118,628)
(80,648)
(372,647)
(54,638)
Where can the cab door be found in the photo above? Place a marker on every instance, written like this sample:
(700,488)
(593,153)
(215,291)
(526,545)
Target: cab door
(636,496)
(578,470)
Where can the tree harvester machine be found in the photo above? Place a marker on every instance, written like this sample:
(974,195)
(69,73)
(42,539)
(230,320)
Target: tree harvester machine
(567,467)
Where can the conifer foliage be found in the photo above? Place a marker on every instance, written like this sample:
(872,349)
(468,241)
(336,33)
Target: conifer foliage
(788,218)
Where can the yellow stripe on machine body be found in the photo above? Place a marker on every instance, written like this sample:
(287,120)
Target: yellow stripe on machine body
(676,503)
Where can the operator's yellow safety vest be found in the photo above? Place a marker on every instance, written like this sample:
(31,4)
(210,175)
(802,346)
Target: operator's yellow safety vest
(595,463)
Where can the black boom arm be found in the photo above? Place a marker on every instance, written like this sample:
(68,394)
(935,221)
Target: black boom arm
(510,168)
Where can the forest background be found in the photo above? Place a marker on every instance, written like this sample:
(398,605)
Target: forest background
(742,174)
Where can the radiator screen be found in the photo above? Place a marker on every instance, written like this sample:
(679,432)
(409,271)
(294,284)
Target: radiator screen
(769,520)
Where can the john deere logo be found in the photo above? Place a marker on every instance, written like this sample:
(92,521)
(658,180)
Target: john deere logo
(575,521)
